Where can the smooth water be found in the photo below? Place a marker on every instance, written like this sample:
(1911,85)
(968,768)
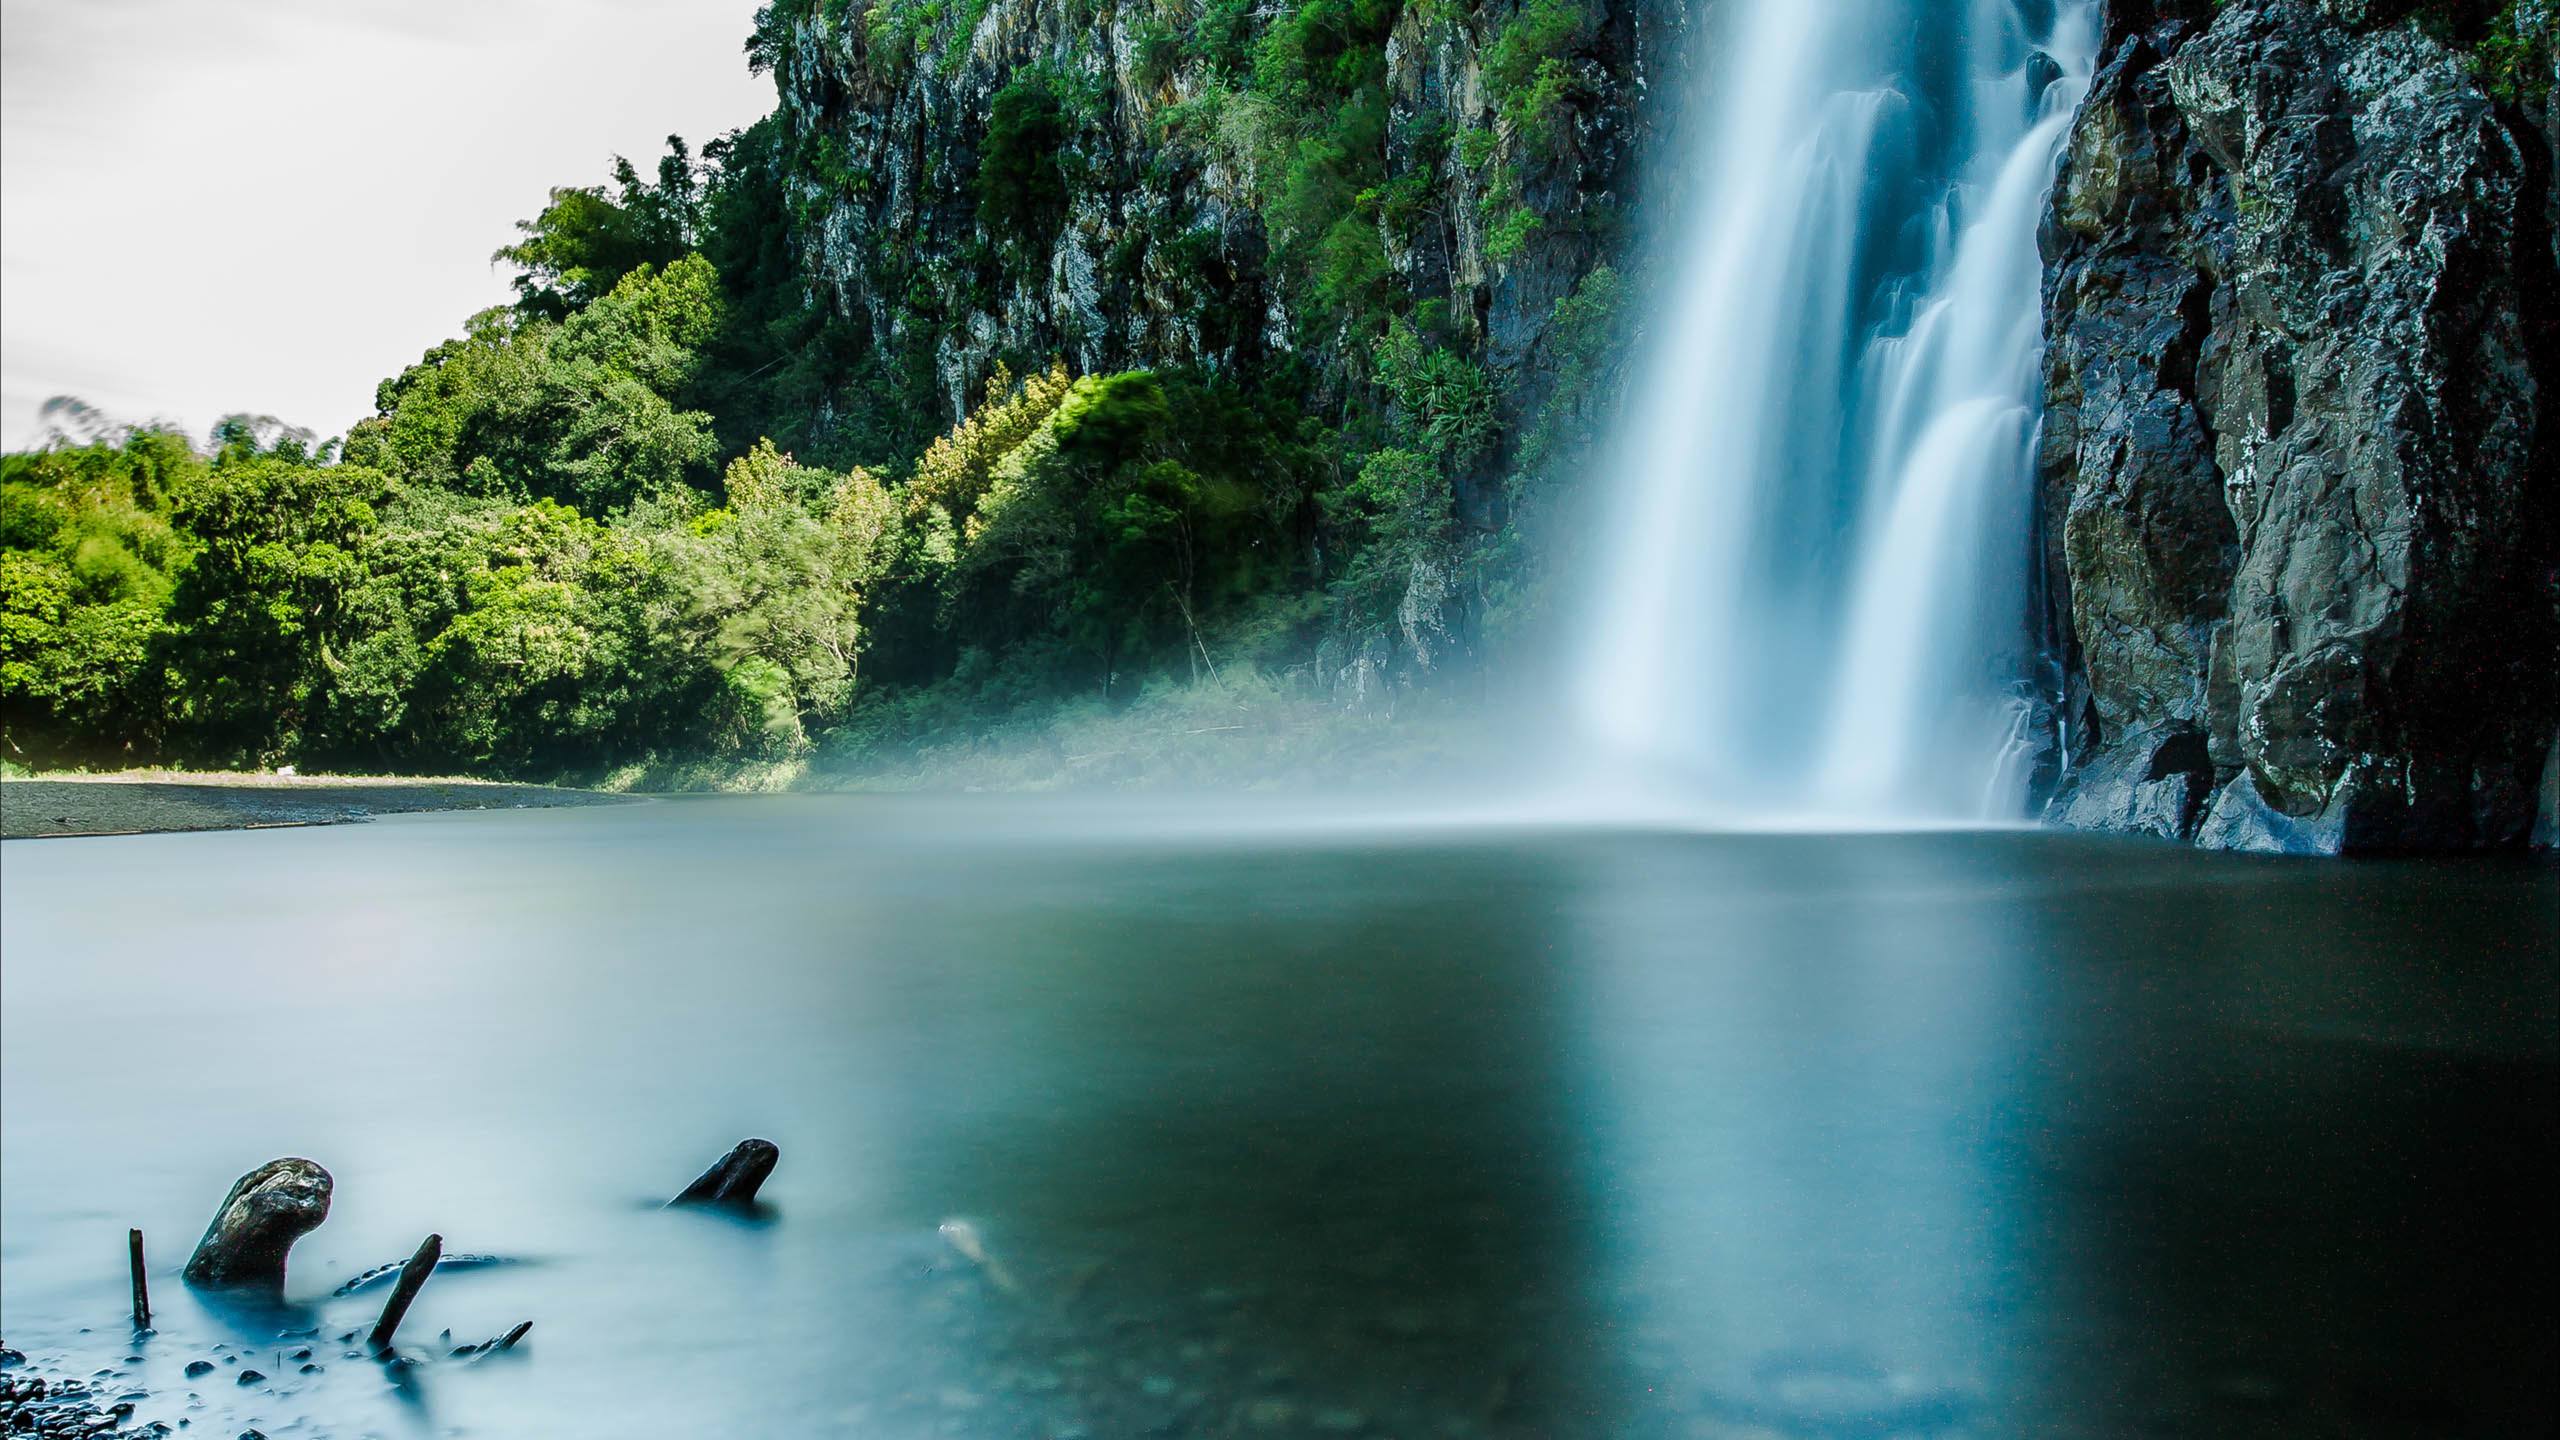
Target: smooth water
(1280,1123)
(1813,592)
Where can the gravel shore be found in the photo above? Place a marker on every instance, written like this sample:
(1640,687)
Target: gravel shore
(133,805)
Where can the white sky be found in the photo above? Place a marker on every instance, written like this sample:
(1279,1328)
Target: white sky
(209,206)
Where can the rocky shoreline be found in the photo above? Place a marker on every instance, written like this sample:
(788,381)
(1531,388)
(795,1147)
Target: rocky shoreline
(155,804)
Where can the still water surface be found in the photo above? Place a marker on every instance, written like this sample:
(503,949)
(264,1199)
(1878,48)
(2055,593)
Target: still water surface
(1270,1125)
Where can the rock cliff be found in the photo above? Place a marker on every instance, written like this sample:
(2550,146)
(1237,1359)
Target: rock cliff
(2299,483)
(2300,518)
(1162,246)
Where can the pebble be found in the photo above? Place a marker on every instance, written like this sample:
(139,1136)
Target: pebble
(198,1368)
(251,1377)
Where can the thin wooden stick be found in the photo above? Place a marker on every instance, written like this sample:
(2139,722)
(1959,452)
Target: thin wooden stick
(509,1343)
(412,1277)
(141,1291)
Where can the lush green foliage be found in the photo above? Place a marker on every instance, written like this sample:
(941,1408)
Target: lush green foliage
(1021,183)
(676,505)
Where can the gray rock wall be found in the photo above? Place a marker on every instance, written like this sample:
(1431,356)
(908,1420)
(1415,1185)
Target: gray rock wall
(2298,491)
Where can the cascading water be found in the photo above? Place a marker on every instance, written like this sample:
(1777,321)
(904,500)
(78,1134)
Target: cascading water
(1815,597)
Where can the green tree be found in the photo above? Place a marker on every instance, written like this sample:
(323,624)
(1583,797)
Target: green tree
(588,238)
(257,606)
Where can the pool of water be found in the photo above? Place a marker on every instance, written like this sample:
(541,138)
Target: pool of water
(1285,1123)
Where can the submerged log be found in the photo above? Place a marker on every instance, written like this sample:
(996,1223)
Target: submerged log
(141,1291)
(413,1278)
(735,1180)
(266,1211)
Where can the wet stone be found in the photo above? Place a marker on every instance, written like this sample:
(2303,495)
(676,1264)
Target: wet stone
(251,1377)
(198,1368)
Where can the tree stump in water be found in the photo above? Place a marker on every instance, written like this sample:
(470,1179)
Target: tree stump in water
(141,1288)
(270,1208)
(735,1180)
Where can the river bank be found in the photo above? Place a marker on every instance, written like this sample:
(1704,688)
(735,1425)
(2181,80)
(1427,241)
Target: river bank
(160,801)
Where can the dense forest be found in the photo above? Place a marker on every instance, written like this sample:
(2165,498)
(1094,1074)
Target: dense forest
(670,506)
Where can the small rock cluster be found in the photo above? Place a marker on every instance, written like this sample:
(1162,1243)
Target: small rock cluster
(61,1409)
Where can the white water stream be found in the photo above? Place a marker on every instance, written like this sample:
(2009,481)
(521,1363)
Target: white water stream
(1815,596)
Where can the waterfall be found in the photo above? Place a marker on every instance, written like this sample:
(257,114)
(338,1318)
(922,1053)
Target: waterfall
(1813,595)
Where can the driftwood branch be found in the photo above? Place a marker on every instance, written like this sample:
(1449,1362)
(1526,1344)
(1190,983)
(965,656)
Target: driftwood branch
(735,1180)
(413,1277)
(267,1210)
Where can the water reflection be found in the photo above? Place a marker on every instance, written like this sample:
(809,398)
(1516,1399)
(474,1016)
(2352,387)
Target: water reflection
(1116,1122)
(1804,1050)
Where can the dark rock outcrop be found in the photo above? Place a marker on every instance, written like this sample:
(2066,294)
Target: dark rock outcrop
(267,1210)
(2298,456)
(735,1177)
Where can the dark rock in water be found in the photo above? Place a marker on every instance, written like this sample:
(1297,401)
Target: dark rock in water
(196,1369)
(2042,71)
(2152,782)
(252,1377)
(2241,819)
(2302,361)
(266,1211)
(735,1180)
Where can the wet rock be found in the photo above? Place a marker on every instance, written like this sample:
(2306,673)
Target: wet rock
(197,1369)
(735,1178)
(2298,292)
(267,1210)
(2152,782)
(251,1377)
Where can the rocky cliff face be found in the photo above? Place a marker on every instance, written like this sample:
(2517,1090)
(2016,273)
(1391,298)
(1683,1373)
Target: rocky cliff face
(1249,190)
(1165,252)
(2303,396)
(2301,506)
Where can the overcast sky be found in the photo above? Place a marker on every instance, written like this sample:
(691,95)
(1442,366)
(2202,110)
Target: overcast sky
(209,206)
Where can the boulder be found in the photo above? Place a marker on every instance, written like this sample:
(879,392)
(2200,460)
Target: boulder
(2299,379)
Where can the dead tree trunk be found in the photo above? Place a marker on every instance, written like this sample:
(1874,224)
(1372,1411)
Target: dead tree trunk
(270,1208)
